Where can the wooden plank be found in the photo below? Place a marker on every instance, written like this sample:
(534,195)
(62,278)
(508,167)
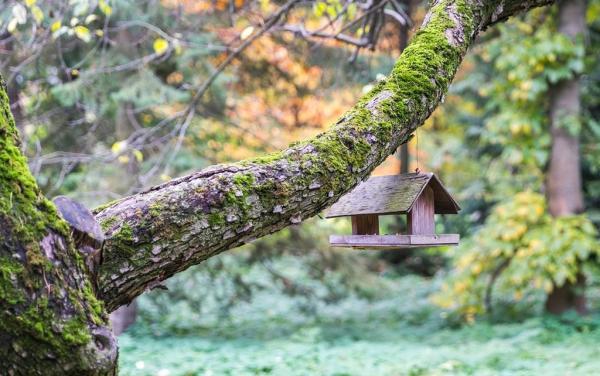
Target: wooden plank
(439,239)
(393,241)
(365,224)
(421,216)
(392,194)
(444,202)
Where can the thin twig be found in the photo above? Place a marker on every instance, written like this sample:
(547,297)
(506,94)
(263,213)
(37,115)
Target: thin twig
(495,274)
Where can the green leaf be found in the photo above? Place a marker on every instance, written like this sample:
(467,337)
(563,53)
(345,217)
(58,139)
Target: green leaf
(320,8)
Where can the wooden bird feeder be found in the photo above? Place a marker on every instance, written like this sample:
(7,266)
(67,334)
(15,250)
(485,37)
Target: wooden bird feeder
(419,196)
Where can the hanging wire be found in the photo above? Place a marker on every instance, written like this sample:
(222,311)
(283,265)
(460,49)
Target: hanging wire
(417,170)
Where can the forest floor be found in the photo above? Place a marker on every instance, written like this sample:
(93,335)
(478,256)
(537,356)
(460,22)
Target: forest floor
(399,335)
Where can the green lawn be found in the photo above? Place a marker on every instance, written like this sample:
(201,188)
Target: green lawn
(400,335)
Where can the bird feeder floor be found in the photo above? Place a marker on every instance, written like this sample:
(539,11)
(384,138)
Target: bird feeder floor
(393,242)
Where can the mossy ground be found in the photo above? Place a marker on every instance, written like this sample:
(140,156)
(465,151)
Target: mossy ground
(401,334)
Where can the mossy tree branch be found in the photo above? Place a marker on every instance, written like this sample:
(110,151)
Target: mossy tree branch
(166,229)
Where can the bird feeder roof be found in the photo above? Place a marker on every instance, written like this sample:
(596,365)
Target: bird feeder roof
(393,194)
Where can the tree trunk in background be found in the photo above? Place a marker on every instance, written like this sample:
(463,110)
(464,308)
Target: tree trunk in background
(564,191)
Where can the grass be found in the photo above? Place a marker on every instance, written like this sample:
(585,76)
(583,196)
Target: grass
(401,334)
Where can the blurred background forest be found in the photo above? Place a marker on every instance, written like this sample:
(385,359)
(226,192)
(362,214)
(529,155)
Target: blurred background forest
(111,97)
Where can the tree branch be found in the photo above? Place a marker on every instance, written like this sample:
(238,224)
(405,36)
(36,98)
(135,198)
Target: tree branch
(166,229)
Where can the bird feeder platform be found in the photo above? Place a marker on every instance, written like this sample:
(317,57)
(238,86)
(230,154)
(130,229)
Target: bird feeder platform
(418,196)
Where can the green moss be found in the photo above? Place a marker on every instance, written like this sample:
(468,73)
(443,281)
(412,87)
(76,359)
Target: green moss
(216,219)
(264,159)
(416,83)
(124,234)
(155,210)
(98,209)
(107,223)
(75,332)
(9,270)
(32,288)
(243,180)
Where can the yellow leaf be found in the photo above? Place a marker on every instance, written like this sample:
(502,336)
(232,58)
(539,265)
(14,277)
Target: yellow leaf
(83,33)
(138,155)
(118,147)
(29,2)
(12,25)
(55,26)
(91,18)
(123,159)
(160,46)
(246,32)
(518,295)
(38,15)
(104,7)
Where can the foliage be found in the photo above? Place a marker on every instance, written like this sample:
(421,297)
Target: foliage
(519,249)
(491,142)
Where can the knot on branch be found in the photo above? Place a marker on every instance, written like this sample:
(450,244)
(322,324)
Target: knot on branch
(85,230)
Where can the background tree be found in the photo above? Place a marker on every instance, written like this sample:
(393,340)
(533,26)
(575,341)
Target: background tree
(520,251)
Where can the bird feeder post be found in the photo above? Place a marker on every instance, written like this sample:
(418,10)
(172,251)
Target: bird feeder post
(366,224)
(421,216)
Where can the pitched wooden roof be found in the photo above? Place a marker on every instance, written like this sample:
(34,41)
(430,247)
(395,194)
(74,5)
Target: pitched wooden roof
(393,194)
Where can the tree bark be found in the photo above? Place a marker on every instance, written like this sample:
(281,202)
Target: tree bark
(166,229)
(51,321)
(564,191)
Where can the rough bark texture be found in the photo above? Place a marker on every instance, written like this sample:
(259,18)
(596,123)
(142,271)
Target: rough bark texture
(564,191)
(51,322)
(154,234)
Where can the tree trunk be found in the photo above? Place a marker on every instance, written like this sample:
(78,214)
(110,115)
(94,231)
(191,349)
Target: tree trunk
(51,321)
(564,192)
(568,296)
